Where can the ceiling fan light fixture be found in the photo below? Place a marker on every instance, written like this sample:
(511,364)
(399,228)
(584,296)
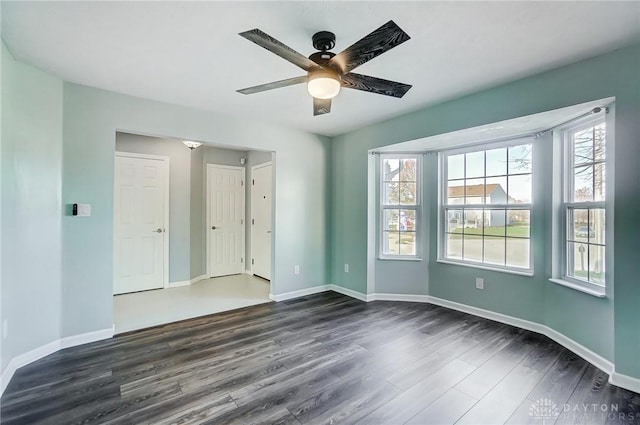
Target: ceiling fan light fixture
(323,84)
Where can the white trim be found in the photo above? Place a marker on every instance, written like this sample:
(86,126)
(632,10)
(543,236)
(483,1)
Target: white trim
(249,272)
(595,290)
(399,297)
(350,293)
(300,293)
(86,338)
(625,381)
(593,358)
(486,266)
(24,359)
(167,206)
(47,349)
(179,283)
(199,278)
(208,208)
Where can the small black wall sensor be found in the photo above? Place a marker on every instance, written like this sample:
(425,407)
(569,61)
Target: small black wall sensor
(74,210)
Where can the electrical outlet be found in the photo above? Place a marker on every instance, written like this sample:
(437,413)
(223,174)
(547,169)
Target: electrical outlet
(479,283)
(5,328)
(346,268)
(296,269)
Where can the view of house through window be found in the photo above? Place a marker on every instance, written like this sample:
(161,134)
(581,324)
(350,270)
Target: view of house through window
(486,206)
(400,205)
(584,205)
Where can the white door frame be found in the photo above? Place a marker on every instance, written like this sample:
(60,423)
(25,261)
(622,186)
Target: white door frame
(165,270)
(255,167)
(208,215)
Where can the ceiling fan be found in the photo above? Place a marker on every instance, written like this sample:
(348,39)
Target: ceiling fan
(327,72)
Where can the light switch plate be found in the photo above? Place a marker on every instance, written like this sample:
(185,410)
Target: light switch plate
(84,210)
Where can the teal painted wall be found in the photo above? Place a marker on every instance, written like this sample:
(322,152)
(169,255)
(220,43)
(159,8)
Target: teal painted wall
(91,118)
(587,320)
(31,207)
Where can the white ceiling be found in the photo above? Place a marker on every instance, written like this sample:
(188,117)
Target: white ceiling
(515,128)
(189,53)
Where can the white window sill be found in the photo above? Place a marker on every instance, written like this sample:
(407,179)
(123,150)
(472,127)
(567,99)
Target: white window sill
(398,258)
(528,273)
(593,290)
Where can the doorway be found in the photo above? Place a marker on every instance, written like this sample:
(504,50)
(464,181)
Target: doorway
(141,217)
(261,232)
(225,220)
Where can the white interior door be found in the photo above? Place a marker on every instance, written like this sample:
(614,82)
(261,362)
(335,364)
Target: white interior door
(140,215)
(261,195)
(225,220)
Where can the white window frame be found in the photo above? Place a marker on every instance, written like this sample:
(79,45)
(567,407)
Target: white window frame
(419,222)
(443,206)
(566,205)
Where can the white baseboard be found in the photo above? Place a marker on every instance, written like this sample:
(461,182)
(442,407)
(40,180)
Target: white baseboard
(86,338)
(249,272)
(625,381)
(301,293)
(187,282)
(349,292)
(50,348)
(593,358)
(199,278)
(615,378)
(398,297)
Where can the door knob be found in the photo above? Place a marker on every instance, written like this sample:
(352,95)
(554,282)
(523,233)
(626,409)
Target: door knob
(213,227)
(158,230)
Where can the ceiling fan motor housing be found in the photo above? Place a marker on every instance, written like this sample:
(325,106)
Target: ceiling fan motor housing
(324,40)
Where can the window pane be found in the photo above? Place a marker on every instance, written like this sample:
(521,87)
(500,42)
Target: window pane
(599,177)
(390,243)
(577,260)
(472,249)
(599,142)
(391,169)
(579,228)
(519,223)
(455,221)
(583,146)
(407,220)
(391,195)
(520,159)
(519,189)
(408,193)
(518,253)
(408,170)
(494,222)
(407,243)
(455,192)
(474,191)
(454,246)
(473,222)
(475,164)
(496,190)
(497,162)
(596,226)
(596,264)
(494,250)
(583,183)
(455,166)
(391,220)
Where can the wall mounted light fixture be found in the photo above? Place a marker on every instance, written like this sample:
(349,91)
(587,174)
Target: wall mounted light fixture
(191,145)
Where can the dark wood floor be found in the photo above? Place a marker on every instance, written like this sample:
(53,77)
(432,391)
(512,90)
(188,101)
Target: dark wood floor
(320,359)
